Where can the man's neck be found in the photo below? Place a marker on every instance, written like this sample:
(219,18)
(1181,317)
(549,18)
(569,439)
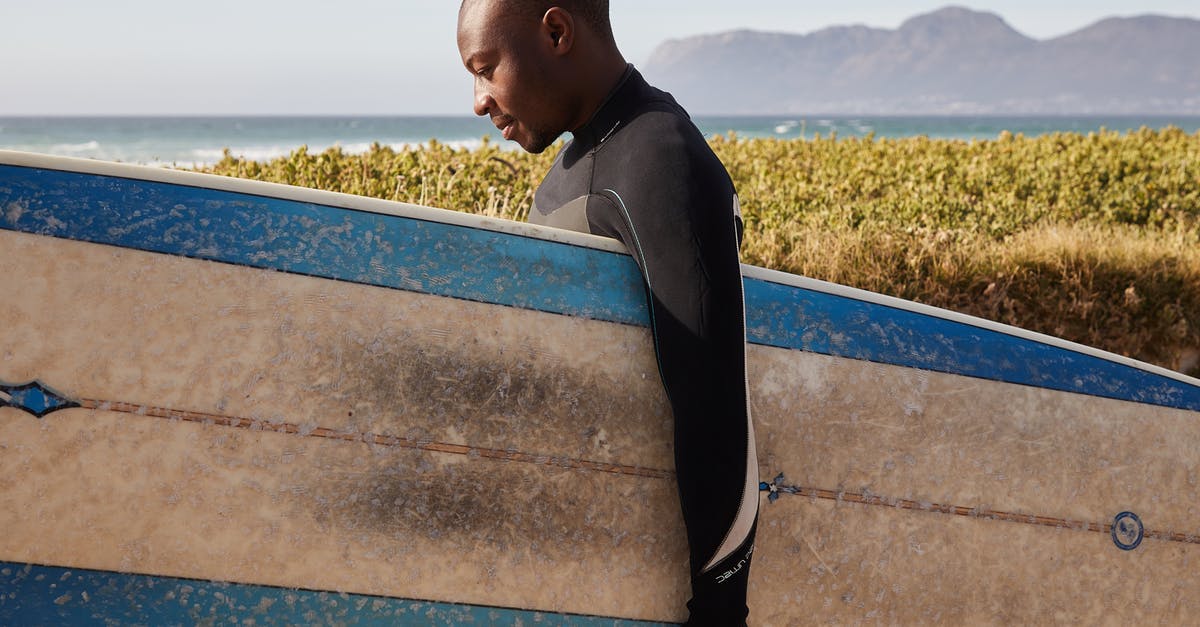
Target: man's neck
(600,84)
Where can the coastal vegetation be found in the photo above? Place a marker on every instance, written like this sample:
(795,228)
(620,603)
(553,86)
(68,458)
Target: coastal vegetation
(1094,238)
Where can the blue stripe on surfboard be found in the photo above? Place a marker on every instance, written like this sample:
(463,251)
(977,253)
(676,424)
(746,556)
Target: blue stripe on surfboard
(486,266)
(53,595)
(822,323)
(317,240)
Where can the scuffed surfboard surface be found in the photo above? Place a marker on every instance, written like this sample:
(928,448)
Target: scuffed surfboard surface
(272,389)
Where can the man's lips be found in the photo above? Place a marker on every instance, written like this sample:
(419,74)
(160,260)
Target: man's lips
(506,125)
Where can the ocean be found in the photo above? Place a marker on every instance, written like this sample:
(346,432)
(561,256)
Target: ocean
(197,141)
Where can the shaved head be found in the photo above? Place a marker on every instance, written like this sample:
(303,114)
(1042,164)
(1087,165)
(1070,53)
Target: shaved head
(593,13)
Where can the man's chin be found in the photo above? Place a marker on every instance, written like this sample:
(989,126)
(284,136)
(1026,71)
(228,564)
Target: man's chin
(536,143)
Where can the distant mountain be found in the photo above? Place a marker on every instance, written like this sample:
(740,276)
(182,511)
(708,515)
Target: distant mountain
(954,60)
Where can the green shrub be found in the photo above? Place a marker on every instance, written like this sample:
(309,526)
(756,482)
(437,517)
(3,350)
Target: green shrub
(1093,237)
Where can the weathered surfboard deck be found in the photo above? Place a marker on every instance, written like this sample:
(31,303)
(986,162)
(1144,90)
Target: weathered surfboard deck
(224,399)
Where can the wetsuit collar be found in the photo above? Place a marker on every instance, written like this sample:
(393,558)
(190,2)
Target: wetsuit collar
(614,109)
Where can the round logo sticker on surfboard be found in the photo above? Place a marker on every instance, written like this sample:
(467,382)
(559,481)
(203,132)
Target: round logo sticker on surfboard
(1127,531)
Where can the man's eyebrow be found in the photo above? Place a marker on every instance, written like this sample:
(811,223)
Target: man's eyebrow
(471,54)
(470,62)
(476,55)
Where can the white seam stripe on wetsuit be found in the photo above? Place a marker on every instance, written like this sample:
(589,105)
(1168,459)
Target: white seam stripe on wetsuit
(748,510)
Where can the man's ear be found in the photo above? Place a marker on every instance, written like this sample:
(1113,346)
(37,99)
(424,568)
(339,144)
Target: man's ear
(558,27)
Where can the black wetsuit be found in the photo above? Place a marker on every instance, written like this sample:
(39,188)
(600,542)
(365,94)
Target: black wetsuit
(641,172)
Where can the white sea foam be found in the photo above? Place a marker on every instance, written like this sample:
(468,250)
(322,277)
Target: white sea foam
(76,148)
(209,156)
(356,148)
(206,154)
(253,153)
(472,144)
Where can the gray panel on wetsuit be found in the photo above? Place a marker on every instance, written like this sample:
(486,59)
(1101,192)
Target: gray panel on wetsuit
(571,216)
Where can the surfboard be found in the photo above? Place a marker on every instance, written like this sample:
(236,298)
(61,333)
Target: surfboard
(227,400)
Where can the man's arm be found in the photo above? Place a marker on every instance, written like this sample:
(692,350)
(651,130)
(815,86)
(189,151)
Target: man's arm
(674,210)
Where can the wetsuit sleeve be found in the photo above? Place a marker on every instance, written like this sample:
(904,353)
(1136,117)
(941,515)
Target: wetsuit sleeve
(673,206)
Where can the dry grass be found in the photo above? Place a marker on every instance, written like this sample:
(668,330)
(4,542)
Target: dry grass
(1092,238)
(1124,289)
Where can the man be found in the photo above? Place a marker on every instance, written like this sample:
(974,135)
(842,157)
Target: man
(639,171)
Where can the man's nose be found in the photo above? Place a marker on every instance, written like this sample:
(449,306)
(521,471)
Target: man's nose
(483,100)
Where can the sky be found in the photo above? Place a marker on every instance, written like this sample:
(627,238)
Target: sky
(371,57)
